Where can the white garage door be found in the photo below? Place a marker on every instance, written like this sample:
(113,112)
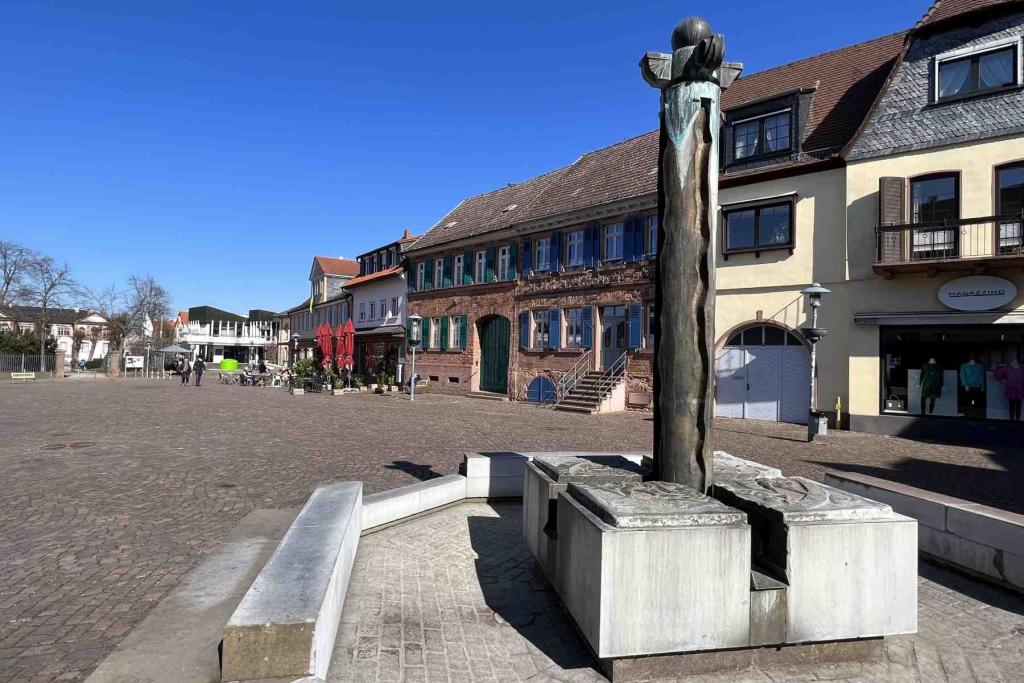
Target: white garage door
(763,374)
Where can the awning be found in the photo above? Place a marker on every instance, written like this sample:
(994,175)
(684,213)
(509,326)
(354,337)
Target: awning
(382,331)
(174,349)
(942,318)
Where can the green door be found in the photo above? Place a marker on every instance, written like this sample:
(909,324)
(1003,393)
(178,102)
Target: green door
(494,340)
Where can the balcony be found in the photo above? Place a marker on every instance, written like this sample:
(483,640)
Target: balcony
(962,244)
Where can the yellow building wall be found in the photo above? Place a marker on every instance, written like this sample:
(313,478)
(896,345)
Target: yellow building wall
(914,293)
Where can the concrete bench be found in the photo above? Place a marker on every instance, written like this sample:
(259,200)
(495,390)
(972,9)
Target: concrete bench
(984,541)
(390,506)
(23,377)
(500,474)
(287,622)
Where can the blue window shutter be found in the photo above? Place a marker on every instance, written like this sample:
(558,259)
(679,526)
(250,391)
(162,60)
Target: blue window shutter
(489,265)
(588,248)
(587,317)
(444,332)
(446,276)
(467,268)
(524,329)
(513,261)
(556,252)
(527,257)
(634,324)
(428,275)
(555,328)
(592,246)
(463,332)
(425,331)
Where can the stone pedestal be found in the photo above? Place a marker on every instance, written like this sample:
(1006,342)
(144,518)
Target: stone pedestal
(653,567)
(548,475)
(849,564)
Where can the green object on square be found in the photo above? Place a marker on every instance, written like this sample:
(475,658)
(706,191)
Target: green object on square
(229,365)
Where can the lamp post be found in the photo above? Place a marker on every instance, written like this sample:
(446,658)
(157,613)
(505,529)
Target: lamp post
(295,347)
(814,334)
(415,335)
(149,363)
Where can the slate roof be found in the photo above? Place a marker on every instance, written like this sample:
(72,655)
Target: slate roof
(943,10)
(845,83)
(337,266)
(54,316)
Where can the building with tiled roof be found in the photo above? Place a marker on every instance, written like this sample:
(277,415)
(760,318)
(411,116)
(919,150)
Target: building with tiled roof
(81,334)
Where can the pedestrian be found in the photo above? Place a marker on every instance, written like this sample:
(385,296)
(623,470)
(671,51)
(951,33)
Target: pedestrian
(186,370)
(199,367)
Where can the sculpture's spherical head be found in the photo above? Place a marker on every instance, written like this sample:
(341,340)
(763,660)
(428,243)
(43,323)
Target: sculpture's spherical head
(689,32)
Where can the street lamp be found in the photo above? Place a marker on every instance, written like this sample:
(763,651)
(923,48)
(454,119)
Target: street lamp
(415,334)
(295,347)
(149,362)
(816,422)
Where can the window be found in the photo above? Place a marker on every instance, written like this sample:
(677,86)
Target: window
(480,275)
(543,260)
(435,333)
(934,199)
(373,310)
(764,335)
(613,241)
(503,263)
(382,309)
(573,328)
(421,274)
(453,331)
(439,273)
(362,310)
(541,328)
(761,136)
(652,235)
(393,311)
(457,277)
(1010,201)
(759,227)
(575,249)
(983,70)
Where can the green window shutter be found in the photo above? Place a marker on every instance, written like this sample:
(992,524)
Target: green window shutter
(513,261)
(426,334)
(444,332)
(463,332)
(410,275)
(489,265)
(428,275)
(446,276)
(467,268)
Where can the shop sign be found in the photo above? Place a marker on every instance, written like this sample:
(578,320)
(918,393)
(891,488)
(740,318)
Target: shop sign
(977,293)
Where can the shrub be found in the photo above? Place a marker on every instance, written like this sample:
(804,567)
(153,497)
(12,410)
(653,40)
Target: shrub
(303,367)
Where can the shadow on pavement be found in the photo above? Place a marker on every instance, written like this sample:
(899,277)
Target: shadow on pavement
(514,590)
(974,588)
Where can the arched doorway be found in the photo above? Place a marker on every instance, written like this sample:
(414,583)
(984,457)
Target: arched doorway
(495,333)
(763,373)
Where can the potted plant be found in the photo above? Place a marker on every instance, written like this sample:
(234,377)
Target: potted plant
(302,370)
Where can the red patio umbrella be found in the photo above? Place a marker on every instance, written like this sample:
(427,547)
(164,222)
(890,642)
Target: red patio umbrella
(339,349)
(323,333)
(349,348)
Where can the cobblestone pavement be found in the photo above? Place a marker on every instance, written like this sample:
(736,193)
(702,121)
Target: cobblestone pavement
(454,596)
(112,490)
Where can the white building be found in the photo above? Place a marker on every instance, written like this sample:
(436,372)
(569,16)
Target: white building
(215,335)
(66,325)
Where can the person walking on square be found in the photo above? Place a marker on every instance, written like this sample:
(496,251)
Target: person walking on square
(199,367)
(186,370)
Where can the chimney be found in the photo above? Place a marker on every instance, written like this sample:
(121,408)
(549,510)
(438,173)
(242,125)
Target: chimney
(406,235)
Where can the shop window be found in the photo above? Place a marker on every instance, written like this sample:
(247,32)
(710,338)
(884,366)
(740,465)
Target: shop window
(758,228)
(967,372)
(1010,202)
(934,199)
(979,71)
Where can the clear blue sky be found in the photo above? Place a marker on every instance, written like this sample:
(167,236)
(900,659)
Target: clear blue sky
(219,145)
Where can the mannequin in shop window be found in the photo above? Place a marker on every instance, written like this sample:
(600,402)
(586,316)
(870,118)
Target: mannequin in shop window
(972,385)
(931,385)
(1012,378)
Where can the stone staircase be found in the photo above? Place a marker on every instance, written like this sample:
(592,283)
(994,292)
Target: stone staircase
(591,391)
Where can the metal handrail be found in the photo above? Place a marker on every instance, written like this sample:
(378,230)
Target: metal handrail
(576,373)
(948,223)
(610,377)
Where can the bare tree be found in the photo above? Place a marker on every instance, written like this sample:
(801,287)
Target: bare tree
(127,310)
(15,262)
(46,285)
(148,300)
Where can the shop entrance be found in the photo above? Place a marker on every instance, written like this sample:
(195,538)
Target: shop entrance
(763,374)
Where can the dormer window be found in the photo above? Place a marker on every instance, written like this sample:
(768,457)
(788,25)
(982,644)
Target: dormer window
(977,71)
(762,135)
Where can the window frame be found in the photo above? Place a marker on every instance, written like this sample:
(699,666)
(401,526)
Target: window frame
(974,54)
(362,311)
(535,326)
(578,243)
(504,262)
(542,245)
(439,273)
(757,248)
(651,227)
(568,335)
(458,269)
(1009,235)
(649,326)
(395,304)
(421,275)
(759,151)
(480,267)
(620,227)
(453,333)
(435,334)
